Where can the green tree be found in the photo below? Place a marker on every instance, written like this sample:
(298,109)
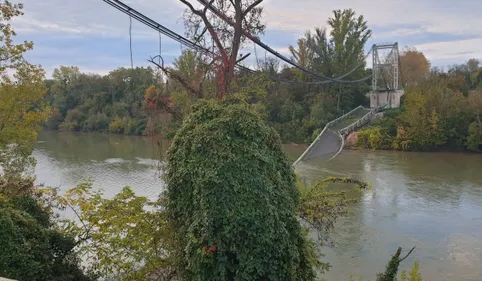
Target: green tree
(126,237)
(32,247)
(474,138)
(349,34)
(303,55)
(236,213)
(88,102)
(21,94)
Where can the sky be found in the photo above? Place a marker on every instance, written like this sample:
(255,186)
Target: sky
(94,36)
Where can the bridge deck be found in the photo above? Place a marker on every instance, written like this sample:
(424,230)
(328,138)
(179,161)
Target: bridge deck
(331,140)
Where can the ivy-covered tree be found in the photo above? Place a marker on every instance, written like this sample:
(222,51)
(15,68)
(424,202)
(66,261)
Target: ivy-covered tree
(231,197)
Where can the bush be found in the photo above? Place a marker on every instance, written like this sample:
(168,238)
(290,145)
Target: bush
(117,126)
(372,138)
(232,198)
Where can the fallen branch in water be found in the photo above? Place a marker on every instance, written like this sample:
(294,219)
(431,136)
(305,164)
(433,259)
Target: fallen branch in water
(360,184)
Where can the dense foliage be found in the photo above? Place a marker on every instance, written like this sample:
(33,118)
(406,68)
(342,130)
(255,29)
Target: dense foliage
(123,101)
(433,116)
(21,92)
(32,247)
(121,238)
(231,195)
(111,103)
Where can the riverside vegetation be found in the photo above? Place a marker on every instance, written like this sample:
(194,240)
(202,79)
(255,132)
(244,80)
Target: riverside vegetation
(233,208)
(433,116)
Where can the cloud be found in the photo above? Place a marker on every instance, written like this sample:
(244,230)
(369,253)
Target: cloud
(95,36)
(451,51)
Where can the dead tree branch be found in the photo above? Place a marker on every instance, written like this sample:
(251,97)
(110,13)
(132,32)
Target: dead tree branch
(243,58)
(407,254)
(184,83)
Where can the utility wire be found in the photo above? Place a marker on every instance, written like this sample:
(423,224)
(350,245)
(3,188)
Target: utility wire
(186,42)
(130,42)
(269,49)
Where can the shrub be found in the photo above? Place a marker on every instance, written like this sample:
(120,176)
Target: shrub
(117,126)
(373,138)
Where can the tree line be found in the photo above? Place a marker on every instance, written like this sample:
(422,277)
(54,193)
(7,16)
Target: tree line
(120,101)
(143,101)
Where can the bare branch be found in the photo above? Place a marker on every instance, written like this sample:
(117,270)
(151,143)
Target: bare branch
(201,35)
(177,77)
(208,6)
(191,7)
(251,7)
(243,58)
(408,254)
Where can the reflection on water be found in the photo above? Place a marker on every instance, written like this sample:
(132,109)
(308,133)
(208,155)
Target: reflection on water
(431,201)
(109,161)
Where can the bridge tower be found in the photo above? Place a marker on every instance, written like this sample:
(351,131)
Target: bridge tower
(386,77)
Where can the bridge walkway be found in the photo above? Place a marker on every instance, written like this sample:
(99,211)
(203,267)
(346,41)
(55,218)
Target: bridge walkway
(331,140)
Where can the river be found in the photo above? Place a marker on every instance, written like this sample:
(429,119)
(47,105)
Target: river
(429,200)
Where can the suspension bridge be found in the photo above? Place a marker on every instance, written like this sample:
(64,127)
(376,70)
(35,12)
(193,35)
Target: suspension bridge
(385,91)
(331,141)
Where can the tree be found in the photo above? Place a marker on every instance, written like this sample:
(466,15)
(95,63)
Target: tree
(21,94)
(32,247)
(349,35)
(126,237)
(415,67)
(340,52)
(242,14)
(473,65)
(193,69)
(474,138)
(303,56)
(90,102)
(236,213)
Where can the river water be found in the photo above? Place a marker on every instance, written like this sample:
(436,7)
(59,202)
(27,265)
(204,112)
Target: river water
(429,200)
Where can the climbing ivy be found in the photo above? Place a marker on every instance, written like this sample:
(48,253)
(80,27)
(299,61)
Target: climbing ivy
(231,195)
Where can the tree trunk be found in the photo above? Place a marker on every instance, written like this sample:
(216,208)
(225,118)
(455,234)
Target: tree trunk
(229,68)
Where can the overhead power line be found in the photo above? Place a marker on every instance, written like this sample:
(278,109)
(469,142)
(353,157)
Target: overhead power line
(218,13)
(192,45)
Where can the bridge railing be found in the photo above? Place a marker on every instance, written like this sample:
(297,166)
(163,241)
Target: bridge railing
(327,126)
(360,122)
(343,131)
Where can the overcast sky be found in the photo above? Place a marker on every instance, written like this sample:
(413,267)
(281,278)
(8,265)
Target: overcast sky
(94,36)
